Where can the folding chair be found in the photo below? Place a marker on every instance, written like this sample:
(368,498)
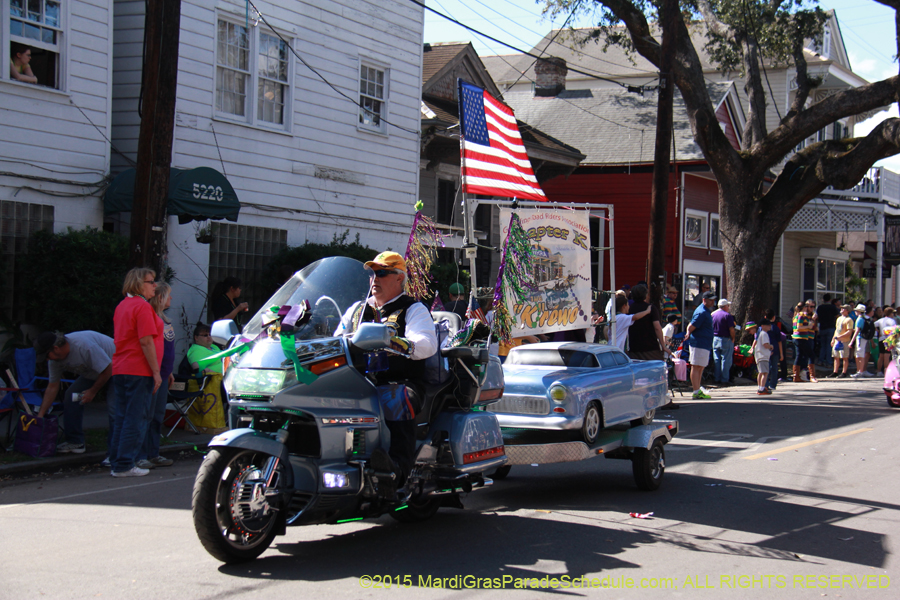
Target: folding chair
(180,399)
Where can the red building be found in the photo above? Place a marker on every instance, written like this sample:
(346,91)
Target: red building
(615,129)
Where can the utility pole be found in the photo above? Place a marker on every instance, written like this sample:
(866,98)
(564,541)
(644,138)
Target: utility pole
(659,196)
(162,25)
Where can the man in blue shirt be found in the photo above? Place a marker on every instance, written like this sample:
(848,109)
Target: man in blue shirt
(700,337)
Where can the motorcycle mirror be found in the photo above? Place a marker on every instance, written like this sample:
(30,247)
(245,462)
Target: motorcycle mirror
(223,331)
(372,336)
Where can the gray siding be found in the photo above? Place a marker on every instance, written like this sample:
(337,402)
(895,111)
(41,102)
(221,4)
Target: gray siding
(44,137)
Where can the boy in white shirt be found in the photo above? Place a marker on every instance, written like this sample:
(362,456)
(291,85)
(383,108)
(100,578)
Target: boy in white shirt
(624,320)
(762,350)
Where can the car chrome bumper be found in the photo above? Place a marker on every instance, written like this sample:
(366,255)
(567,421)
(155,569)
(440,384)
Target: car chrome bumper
(557,422)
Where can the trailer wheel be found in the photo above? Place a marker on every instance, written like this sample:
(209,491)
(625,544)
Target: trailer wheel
(649,466)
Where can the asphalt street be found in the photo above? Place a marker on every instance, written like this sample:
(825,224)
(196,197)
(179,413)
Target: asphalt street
(787,496)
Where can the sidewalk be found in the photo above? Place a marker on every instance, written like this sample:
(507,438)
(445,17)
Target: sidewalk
(95,418)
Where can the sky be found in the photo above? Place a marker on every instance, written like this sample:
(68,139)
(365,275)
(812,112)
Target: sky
(866,26)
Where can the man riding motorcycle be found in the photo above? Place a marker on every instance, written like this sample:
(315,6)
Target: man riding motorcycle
(414,335)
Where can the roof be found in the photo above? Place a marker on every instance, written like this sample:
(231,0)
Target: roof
(581,52)
(442,64)
(448,114)
(611,126)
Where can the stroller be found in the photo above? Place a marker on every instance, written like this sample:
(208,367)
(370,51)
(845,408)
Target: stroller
(743,364)
(892,372)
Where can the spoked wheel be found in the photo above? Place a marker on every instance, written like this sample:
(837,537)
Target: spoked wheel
(417,510)
(591,425)
(649,466)
(645,419)
(232,516)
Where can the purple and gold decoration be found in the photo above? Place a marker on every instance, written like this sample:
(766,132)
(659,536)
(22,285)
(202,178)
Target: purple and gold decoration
(421,252)
(515,279)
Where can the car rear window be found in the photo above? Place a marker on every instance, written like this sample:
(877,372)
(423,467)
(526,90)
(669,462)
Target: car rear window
(546,357)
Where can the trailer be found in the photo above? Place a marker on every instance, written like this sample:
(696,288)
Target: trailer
(643,445)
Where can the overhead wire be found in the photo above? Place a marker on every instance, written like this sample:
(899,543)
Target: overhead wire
(519,50)
(340,92)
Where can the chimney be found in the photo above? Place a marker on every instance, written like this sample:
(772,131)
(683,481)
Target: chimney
(550,76)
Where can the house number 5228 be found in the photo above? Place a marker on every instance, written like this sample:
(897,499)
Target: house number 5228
(208,192)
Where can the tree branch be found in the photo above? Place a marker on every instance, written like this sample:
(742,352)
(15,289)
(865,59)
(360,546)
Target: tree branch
(713,23)
(795,128)
(688,75)
(837,163)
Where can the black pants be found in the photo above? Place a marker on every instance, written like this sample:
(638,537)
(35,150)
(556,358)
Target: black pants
(403,436)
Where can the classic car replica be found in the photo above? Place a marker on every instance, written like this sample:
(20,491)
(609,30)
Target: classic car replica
(571,386)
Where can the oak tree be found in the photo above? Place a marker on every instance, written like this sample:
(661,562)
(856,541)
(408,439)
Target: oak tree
(759,192)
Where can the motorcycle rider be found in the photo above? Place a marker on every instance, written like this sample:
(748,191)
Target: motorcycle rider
(414,335)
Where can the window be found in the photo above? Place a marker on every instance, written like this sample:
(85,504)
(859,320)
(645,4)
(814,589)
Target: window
(695,228)
(823,273)
(38,25)
(714,241)
(18,221)
(371,97)
(446,200)
(243,251)
(237,75)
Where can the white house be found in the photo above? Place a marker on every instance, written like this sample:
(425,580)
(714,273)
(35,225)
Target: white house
(309,109)
(54,135)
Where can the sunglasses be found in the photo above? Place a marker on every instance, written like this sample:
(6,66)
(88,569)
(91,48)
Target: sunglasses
(384,273)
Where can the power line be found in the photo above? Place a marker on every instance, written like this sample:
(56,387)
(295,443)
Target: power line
(519,50)
(322,77)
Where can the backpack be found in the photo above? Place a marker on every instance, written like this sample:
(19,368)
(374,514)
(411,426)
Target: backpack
(868,330)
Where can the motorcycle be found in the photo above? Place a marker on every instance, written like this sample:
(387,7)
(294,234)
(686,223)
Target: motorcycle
(306,416)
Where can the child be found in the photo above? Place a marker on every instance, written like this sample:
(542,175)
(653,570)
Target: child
(669,330)
(776,338)
(762,350)
(624,320)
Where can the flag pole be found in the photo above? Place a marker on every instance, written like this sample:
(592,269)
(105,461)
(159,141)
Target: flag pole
(469,246)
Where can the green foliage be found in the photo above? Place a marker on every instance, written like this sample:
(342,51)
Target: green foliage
(444,275)
(855,287)
(775,26)
(16,338)
(776,29)
(293,258)
(75,279)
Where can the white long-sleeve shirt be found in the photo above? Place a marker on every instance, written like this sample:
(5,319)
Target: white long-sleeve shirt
(419,327)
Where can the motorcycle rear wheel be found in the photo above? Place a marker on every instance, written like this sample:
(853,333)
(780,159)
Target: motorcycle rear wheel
(231,515)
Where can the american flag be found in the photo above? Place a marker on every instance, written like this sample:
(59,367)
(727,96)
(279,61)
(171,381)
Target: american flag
(494,158)
(474,311)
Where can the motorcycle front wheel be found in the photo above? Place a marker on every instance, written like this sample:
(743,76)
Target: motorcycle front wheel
(231,513)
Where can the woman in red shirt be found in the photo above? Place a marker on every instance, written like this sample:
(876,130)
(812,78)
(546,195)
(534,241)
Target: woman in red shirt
(135,370)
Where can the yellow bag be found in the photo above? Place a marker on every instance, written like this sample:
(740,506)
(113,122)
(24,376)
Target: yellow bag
(208,412)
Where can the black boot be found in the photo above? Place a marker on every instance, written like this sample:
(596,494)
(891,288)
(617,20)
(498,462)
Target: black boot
(386,474)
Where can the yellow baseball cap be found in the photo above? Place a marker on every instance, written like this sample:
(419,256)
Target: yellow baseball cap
(387,260)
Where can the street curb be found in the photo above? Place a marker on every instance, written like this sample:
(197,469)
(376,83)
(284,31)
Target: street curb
(54,463)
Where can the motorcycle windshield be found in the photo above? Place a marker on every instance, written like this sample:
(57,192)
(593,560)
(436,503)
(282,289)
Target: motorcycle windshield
(331,286)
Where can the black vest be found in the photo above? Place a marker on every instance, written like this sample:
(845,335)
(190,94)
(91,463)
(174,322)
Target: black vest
(399,368)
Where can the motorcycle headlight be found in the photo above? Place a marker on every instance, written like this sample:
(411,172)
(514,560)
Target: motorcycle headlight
(258,381)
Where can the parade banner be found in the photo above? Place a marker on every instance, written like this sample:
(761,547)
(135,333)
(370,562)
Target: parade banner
(562,269)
